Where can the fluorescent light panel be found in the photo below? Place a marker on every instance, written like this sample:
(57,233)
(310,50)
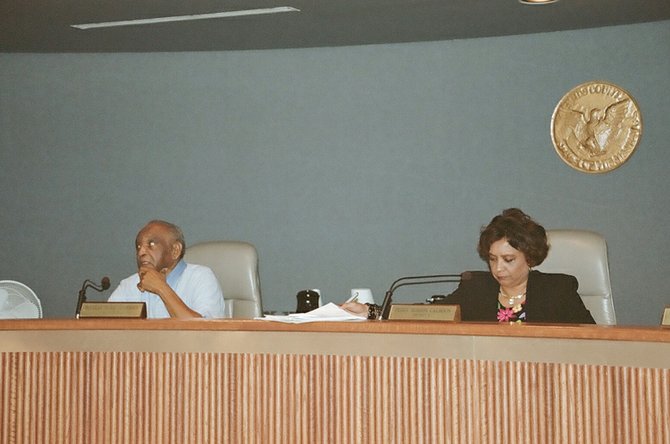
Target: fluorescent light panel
(184,18)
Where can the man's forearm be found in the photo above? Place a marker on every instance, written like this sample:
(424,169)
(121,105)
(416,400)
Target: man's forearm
(176,306)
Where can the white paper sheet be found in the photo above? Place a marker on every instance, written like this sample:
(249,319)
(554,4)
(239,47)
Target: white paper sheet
(328,313)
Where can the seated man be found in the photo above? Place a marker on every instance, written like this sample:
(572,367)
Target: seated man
(169,286)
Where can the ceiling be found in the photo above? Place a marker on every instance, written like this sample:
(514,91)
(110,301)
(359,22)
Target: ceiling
(44,25)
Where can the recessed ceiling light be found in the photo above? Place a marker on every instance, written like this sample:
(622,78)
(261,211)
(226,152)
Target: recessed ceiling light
(183,18)
(537,2)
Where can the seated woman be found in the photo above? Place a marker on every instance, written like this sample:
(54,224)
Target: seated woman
(512,243)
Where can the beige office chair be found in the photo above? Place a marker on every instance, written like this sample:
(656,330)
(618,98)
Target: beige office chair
(583,254)
(235,265)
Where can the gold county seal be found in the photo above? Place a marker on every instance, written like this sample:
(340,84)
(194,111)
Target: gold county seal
(596,127)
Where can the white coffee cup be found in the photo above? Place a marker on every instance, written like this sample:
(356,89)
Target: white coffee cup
(228,309)
(362,295)
(318,291)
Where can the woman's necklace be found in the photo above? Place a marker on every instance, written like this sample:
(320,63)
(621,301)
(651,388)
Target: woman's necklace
(511,300)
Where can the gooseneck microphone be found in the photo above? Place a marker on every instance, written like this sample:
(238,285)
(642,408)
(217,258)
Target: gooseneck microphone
(104,285)
(416,280)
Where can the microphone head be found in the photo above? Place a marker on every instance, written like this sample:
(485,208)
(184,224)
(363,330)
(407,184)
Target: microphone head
(105,283)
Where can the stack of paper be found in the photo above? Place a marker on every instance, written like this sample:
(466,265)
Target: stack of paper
(328,313)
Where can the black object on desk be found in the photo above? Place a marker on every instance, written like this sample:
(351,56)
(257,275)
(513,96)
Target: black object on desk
(308,300)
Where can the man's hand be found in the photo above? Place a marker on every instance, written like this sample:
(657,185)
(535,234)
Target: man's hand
(155,282)
(152,280)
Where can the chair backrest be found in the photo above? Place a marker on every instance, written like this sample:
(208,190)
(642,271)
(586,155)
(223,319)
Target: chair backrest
(235,265)
(583,254)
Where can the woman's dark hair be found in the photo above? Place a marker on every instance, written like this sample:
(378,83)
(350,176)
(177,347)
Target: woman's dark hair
(522,233)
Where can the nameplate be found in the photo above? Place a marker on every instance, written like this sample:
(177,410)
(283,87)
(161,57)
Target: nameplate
(136,310)
(425,312)
(665,320)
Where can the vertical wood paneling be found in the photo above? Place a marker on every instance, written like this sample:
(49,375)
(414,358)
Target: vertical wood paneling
(253,398)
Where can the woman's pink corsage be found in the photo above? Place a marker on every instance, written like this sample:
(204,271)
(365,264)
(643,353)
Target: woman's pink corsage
(505,314)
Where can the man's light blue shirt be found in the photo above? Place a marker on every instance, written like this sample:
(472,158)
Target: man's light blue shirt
(196,285)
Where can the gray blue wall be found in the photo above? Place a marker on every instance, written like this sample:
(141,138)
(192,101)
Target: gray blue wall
(346,167)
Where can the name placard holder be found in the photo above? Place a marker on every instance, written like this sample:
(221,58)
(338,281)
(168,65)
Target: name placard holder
(425,312)
(665,320)
(136,310)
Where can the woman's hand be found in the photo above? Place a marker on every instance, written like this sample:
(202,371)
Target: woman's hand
(356,308)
